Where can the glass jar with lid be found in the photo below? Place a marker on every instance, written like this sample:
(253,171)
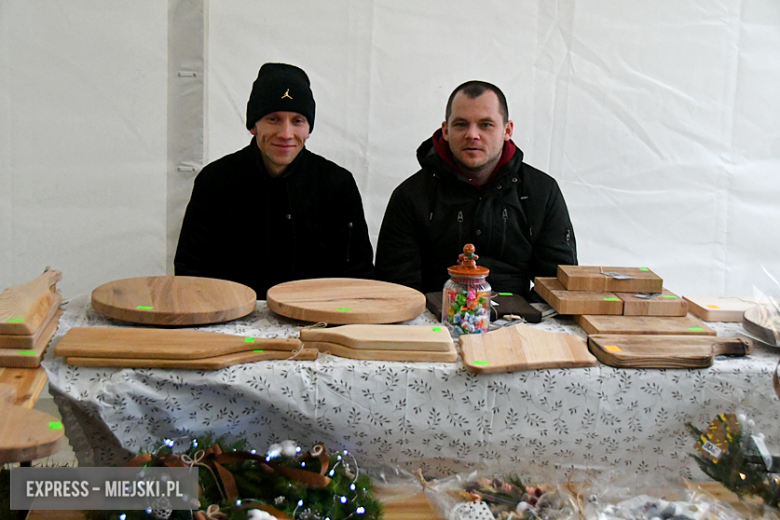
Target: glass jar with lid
(466,296)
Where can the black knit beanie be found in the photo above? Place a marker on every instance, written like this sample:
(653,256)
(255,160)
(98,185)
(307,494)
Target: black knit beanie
(280,88)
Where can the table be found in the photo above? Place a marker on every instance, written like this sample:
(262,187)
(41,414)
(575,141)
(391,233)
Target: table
(433,416)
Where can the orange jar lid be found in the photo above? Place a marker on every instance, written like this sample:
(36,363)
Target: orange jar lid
(467,264)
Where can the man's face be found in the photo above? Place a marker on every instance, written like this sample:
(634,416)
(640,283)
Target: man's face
(476,133)
(280,137)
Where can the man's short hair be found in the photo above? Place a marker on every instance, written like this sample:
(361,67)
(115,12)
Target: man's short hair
(475,88)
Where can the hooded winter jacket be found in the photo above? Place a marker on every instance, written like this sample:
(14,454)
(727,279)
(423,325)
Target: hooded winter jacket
(243,225)
(519,225)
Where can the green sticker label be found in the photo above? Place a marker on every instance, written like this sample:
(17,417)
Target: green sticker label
(611,299)
(505,294)
(27,353)
(258,351)
(343,309)
(644,269)
(249,340)
(668,296)
(696,329)
(15,320)
(481,362)
(145,307)
(436,329)
(55,425)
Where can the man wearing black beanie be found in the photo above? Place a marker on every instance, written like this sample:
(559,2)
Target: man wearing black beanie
(274,211)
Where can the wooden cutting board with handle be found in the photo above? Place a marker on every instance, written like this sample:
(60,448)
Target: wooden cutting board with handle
(24,308)
(626,351)
(342,301)
(175,301)
(520,347)
(430,338)
(594,278)
(31,357)
(130,343)
(28,341)
(210,363)
(719,308)
(643,325)
(431,356)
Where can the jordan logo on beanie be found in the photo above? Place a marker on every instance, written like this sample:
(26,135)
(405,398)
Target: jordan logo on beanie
(287,95)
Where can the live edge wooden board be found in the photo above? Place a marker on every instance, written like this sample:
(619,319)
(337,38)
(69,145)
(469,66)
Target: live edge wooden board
(174,301)
(342,301)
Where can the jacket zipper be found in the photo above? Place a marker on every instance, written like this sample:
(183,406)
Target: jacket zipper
(504,217)
(460,229)
(349,238)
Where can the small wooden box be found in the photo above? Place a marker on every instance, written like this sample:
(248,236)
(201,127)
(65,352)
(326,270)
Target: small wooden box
(664,304)
(577,302)
(592,278)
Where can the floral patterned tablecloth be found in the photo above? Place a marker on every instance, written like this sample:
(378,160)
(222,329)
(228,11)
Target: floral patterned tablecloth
(433,416)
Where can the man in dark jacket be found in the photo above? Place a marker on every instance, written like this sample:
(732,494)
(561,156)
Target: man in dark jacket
(274,211)
(474,187)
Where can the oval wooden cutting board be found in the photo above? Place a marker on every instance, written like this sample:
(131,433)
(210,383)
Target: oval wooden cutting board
(173,300)
(343,301)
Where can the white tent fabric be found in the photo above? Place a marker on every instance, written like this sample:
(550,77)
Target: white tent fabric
(659,120)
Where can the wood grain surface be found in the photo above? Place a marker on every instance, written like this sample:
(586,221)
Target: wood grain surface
(174,301)
(28,341)
(28,382)
(7,394)
(24,308)
(129,342)
(31,357)
(431,356)
(666,303)
(383,337)
(664,351)
(211,363)
(643,325)
(343,301)
(520,347)
(719,308)
(577,302)
(26,435)
(591,278)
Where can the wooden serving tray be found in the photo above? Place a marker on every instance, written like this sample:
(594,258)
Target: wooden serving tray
(24,308)
(211,363)
(431,356)
(592,278)
(577,302)
(342,301)
(719,308)
(624,351)
(665,304)
(26,435)
(157,344)
(31,357)
(384,337)
(643,325)
(521,347)
(173,300)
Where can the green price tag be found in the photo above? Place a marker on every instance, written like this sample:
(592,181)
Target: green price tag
(344,309)
(55,425)
(668,296)
(696,329)
(436,329)
(27,353)
(258,351)
(505,294)
(15,320)
(611,299)
(249,340)
(481,362)
(644,269)
(145,307)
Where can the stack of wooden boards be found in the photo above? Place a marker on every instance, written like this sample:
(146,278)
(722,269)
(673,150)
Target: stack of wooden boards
(29,316)
(619,307)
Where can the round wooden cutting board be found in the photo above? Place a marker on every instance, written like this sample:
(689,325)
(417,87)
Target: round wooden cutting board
(343,301)
(173,300)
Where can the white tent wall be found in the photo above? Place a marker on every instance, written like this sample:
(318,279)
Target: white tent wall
(658,119)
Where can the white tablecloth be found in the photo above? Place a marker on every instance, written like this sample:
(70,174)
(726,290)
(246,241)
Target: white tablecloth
(434,416)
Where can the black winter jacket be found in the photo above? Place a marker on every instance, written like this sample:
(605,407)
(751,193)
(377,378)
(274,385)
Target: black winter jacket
(243,225)
(520,226)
